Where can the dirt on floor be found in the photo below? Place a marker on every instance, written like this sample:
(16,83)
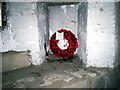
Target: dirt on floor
(56,73)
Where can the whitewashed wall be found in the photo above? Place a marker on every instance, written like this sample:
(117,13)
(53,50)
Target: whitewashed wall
(42,14)
(118,23)
(26,32)
(0,54)
(0,47)
(101,34)
(82,30)
(22,31)
(0,40)
(63,17)
(0,15)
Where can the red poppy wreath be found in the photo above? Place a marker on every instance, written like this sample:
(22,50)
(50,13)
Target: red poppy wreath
(63,47)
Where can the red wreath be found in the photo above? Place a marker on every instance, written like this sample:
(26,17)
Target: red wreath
(66,53)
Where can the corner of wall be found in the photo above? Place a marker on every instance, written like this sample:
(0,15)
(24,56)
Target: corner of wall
(82,30)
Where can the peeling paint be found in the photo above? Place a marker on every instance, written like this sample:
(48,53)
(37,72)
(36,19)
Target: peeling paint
(22,31)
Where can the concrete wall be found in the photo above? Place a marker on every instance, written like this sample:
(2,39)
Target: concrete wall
(82,30)
(0,53)
(21,32)
(63,17)
(119,41)
(12,60)
(0,15)
(117,35)
(42,14)
(101,34)
(28,25)
(0,60)
(119,32)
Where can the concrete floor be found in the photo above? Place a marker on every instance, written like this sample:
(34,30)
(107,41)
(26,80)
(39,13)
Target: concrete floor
(57,73)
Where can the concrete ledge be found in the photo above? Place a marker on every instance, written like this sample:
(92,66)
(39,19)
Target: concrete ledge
(12,60)
(61,75)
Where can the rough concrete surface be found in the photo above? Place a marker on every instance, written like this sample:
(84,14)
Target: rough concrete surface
(100,45)
(42,14)
(14,60)
(63,17)
(21,31)
(0,81)
(95,23)
(57,73)
(30,25)
(82,30)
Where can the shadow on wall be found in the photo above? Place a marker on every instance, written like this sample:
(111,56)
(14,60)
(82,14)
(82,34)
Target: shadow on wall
(119,29)
(119,43)
(108,80)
